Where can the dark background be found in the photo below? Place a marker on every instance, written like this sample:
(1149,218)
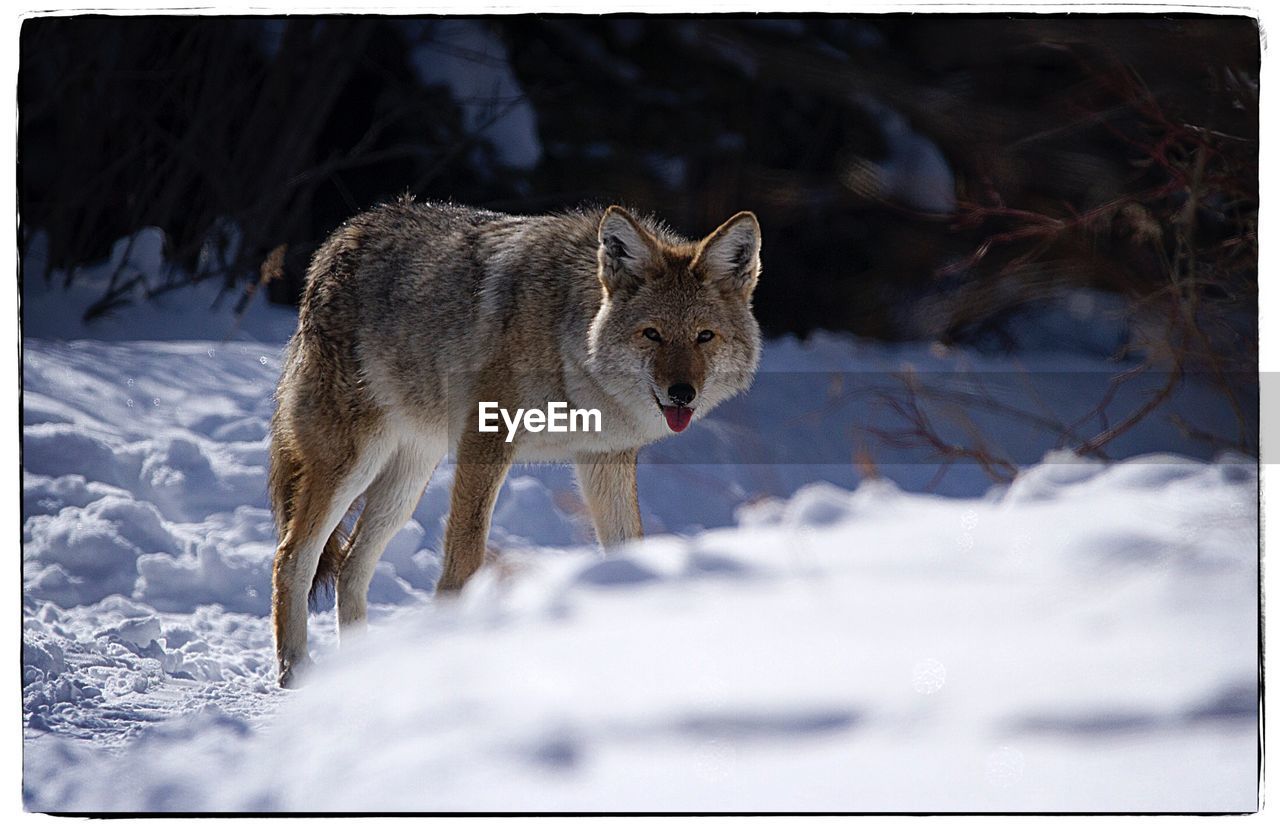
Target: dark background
(916,176)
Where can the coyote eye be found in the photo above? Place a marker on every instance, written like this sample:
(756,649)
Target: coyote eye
(705,336)
(650,333)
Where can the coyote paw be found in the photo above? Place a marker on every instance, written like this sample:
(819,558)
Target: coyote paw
(294,673)
(448,589)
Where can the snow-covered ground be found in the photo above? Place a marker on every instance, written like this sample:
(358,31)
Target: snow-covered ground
(792,639)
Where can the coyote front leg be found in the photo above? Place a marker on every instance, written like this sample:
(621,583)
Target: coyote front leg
(608,482)
(483,462)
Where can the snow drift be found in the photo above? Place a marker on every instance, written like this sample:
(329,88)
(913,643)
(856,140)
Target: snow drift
(1084,639)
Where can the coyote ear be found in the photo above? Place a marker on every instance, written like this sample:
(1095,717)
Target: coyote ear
(625,249)
(731,254)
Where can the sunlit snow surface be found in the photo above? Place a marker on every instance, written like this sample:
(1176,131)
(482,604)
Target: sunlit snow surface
(1083,640)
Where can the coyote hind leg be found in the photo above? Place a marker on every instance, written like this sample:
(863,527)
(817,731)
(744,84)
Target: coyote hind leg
(388,504)
(324,492)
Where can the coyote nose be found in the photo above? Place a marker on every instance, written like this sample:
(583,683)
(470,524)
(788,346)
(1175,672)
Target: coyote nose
(682,394)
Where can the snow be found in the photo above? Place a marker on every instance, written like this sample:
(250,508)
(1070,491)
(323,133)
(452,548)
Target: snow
(792,637)
(467,57)
(915,173)
(205,312)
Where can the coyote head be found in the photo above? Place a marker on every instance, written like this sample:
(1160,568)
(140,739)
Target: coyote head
(675,335)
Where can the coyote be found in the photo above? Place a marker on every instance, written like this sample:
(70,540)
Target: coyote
(416,313)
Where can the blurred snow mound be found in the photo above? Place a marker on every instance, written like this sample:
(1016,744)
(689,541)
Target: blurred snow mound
(1050,644)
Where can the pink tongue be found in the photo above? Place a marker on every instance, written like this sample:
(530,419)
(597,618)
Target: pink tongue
(678,417)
